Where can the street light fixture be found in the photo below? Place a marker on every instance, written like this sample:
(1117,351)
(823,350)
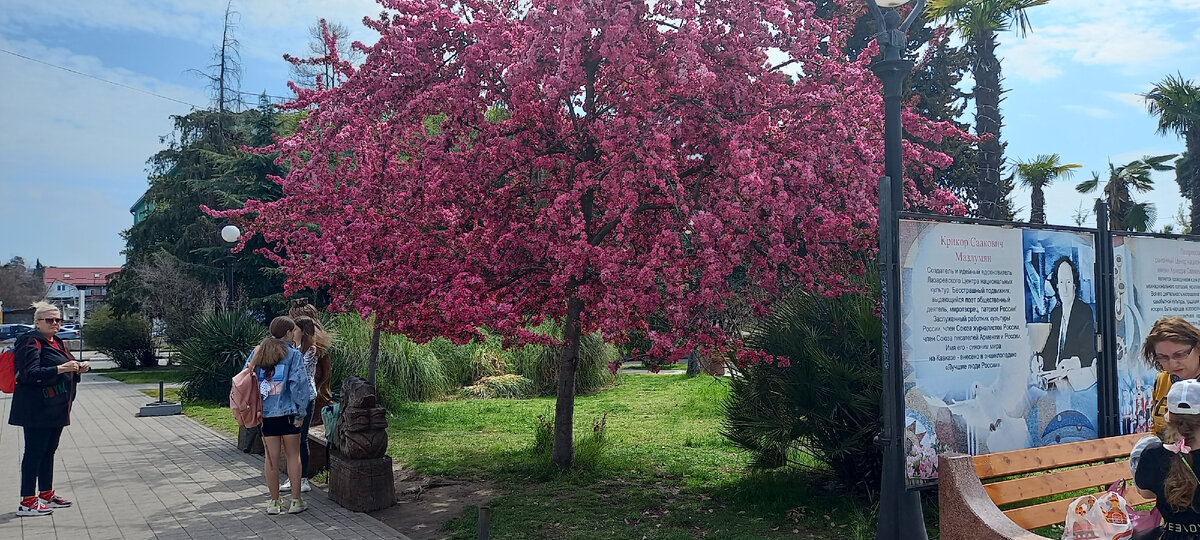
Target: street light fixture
(230,234)
(900,516)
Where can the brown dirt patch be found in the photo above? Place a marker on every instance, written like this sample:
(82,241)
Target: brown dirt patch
(425,503)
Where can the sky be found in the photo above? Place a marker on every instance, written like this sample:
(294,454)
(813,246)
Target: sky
(91,88)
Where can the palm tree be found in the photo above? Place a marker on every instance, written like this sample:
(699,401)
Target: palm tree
(1124,213)
(1039,173)
(978,21)
(1176,103)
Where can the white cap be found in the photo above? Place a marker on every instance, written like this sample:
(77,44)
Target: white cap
(1184,397)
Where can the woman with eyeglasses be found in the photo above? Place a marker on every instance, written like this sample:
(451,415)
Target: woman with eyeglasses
(1171,348)
(41,404)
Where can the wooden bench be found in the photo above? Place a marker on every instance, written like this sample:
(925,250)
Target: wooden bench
(972,488)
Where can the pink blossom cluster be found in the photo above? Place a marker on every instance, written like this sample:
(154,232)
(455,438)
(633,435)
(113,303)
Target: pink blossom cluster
(646,151)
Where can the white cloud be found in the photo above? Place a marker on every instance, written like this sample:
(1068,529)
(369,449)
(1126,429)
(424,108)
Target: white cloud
(1128,98)
(265,29)
(75,151)
(1094,112)
(1130,35)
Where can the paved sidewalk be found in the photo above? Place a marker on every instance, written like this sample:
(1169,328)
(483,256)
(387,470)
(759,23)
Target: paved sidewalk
(160,477)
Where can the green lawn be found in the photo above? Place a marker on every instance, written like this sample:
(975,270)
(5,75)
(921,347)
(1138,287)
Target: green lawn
(142,376)
(662,368)
(668,473)
(213,415)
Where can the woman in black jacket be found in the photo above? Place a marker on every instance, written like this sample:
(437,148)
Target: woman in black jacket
(46,378)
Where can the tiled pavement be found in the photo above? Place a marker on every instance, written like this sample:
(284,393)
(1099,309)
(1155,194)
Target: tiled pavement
(157,477)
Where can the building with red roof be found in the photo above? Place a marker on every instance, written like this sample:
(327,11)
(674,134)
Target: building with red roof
(65,283)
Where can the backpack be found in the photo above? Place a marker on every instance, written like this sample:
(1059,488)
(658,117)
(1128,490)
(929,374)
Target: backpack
(8,369)
(244,400)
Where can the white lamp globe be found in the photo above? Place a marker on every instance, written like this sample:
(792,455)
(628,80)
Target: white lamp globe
(891,3)
(230,233)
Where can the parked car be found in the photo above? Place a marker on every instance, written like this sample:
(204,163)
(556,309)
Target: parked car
(68,334)
(12,331)
(69,327)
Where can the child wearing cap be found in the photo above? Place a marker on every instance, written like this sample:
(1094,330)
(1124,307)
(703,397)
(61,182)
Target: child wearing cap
(1167,471)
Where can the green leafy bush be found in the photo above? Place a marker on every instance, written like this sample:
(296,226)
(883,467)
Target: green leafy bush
(124,339)
(824,406)
(220,343)
(539,363)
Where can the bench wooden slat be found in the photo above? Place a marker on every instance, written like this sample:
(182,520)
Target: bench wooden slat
(1030,487)
(1048,457)
(1054,512)
(1039,515)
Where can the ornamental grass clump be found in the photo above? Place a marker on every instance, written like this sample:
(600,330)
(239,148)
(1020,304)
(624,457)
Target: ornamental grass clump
(500,386)
(407,371)
(540,363)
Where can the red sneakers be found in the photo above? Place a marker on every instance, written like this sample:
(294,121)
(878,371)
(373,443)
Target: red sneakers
(33,508)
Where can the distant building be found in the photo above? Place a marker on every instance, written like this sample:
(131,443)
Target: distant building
(65,283)
(141,209)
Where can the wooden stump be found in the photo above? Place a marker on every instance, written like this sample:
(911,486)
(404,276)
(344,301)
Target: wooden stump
(361,485)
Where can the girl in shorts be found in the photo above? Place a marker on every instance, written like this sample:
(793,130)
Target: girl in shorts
(286,392)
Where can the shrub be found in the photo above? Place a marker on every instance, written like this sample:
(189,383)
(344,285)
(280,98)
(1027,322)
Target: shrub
(220,343)
(124,339)
(500,386)
(539,363)
(825,405)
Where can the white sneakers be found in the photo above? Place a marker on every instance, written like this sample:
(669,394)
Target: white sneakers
(305,487)
(292,506)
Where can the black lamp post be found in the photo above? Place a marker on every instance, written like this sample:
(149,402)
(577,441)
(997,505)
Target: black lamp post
(900,516)
(230,234)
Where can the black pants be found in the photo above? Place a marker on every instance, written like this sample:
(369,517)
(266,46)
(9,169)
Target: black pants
(308,416)
(37,466)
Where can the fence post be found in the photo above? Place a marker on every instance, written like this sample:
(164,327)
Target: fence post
(485,518)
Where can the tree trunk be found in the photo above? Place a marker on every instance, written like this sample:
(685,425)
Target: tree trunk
(986,69)
(563,454)
(1118,206)
(373,360)
(1037,212)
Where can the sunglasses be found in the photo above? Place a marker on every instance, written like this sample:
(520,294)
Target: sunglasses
(52,321)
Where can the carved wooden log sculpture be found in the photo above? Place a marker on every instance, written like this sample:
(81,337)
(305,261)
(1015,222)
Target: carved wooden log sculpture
(360,475)
(362,427)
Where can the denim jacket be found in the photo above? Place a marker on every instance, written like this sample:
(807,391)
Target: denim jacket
(289,390)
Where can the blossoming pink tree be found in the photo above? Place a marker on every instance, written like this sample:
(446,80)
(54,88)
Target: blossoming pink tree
(634,156)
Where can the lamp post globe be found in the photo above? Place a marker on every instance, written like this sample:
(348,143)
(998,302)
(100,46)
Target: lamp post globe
(891,3)
(230,233)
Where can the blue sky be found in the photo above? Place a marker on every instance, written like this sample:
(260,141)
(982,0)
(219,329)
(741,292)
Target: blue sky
(73,154)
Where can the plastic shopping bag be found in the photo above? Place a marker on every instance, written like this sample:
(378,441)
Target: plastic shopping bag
(1140,520)
(1104,517)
